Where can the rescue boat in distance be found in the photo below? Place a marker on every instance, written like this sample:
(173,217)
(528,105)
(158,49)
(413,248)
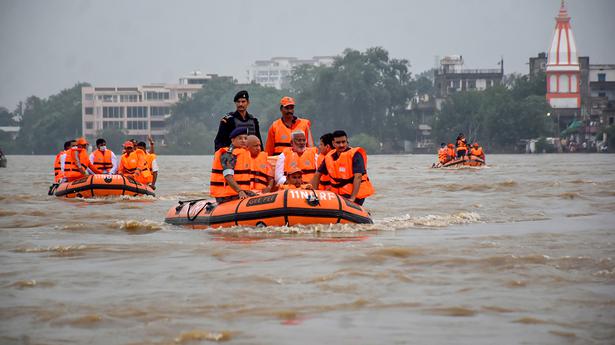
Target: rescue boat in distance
(458,163)
(101,185)
(286,207)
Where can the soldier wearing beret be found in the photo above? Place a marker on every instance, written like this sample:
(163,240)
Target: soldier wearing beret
(240,118)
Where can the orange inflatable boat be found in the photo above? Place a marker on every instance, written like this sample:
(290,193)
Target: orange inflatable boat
(285,207)
(460,162)
(101,186)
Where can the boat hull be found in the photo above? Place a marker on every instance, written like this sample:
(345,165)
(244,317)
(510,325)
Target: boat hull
(288,207)
(102,186)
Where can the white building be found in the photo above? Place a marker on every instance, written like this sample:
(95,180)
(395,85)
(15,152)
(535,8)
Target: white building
(139,111)
(276,71)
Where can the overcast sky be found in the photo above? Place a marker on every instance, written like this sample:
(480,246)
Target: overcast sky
(46,46)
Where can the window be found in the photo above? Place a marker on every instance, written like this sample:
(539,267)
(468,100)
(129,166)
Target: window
(137,124)
(159,111)
(158,124)
(89,125)
(611,120)
(88,97)
(152,95)
(601,94)
(89,111)
(471,84)
(601,76)
(113,112)
(573,83)
(553,83)
(109,98)
(113,124)
(136,111)
(129,98)
(563,84)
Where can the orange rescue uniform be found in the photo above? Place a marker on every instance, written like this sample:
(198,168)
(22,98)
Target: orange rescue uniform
(102,160)
(342,176)
(278,137)
(261,172)
(306,162)
(218,187)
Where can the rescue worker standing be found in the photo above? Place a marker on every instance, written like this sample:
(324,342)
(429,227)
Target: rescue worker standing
(231,169)
(278,137)
(297,156)
(150,170)
(262,174)
(347,168)
(461,146)
(104,159)
(240,118)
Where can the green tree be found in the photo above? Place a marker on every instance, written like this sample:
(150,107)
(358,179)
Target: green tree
(47,123)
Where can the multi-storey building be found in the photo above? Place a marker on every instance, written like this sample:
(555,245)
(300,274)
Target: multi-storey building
(276,71)
(602,88)
(138,111)
(451,77)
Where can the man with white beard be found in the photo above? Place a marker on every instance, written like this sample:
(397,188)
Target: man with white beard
(297,156)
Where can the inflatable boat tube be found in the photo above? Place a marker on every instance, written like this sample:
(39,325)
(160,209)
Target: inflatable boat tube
(286,207)
(102,186)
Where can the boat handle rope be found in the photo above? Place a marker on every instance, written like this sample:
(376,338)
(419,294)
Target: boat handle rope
(313,200)
(53,188)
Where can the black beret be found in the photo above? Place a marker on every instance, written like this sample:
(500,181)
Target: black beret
(238,131)
(241,94)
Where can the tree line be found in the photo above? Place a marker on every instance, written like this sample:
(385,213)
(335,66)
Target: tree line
(366,93)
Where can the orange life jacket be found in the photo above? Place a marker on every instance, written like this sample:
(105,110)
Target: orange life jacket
(146,171)
(342,176)
(477,152)
(218,187)
(461,145)
(325,181)
(280,135)
(150,157)
(450,152)
(131,165)
(71,168)
(443,155)
(261,172)
(102,160)
(306,162)
(58,174)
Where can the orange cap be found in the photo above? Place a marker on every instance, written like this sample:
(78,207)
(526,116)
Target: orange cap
(293,169)
(451,145)
(82,141)
(285,101)
(475,145)
(128,143)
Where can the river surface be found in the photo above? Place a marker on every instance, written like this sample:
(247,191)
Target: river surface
(519,252)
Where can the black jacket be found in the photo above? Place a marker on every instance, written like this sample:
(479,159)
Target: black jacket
(231,121)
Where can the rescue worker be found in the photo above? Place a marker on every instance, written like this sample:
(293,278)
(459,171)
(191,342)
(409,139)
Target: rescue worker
(231,169)
(295,180)
(240,118)
(347,168)
(59,161)
(104,159)
(476,152)
(324,147)
(461,146)
(262,174)
(278,137)
(298,155)
(131,163)
(451,151)
(443,156)
(77,161)
(150,170)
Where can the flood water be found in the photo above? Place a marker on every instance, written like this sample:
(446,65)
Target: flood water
(519,252)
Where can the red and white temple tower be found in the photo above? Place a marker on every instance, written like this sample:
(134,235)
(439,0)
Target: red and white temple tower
(563,72)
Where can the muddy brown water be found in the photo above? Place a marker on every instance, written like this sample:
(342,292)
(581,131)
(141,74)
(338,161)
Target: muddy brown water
(520,252)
